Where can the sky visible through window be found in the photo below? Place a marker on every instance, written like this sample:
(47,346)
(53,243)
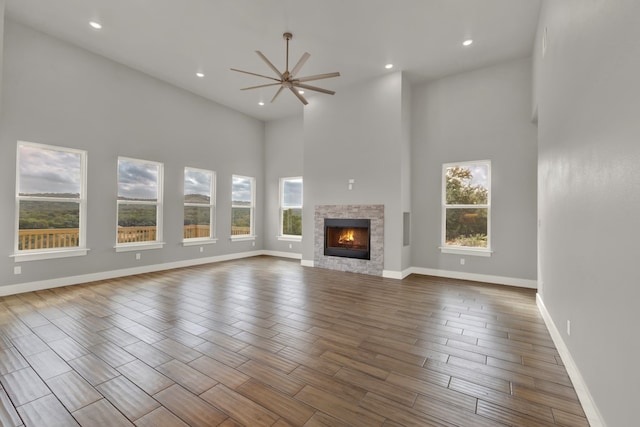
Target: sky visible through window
(292,192)
(49,172)
(480,175)
(197,182)
(241,190)
(137,180)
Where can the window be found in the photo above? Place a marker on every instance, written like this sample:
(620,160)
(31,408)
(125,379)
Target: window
(139,204)
(291,208)
(242,204)
(51,202)
(199,205)
(466,202)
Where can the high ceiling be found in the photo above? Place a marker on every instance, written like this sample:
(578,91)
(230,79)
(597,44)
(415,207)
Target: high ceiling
(173,39)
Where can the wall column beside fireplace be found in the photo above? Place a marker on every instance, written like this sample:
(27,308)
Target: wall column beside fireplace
(375,213)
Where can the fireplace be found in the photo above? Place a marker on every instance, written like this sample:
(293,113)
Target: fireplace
(349,238)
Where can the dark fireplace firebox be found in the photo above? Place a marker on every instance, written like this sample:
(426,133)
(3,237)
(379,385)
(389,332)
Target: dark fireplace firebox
(346,237)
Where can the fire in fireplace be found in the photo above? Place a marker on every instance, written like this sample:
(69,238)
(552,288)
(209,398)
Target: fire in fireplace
(345,237)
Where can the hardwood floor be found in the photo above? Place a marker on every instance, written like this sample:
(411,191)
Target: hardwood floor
(265,342)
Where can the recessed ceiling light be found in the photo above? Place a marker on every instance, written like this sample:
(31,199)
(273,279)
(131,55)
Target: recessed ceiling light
(301,92)
(467,42)
(261,103)
(388,66)
(95,25)
(200,74)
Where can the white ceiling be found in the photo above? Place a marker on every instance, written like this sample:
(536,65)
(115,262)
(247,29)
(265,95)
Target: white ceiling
(172,39)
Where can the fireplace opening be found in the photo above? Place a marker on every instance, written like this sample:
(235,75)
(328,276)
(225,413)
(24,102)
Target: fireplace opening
(346,237)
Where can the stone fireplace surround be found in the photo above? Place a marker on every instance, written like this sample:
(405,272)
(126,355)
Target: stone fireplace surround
(375,213)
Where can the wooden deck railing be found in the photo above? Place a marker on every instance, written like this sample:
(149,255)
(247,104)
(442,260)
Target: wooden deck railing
(52,238)
(194,231)
(136,234)
(48,238)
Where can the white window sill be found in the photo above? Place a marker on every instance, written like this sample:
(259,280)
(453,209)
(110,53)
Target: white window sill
(290,238)
(458,250)
(38,255)
(242,238)
(198,241)
(130,247)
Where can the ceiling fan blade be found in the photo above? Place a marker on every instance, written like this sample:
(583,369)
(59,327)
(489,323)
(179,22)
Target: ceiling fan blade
(300,97)
(254,74)
(317,89)
(264,58)
(299,65)
(318,77)
(277,93)
(259,86)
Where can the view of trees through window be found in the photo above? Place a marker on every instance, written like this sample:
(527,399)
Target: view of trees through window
(242,199)
(291,206)
(467,205)
(138,200)
(198,203)
(50,194)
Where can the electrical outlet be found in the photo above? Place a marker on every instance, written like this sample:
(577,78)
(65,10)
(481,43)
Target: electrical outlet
(17,269)
(461,261)
(290,246)
(253,243)
(201,249)
(568,327)
(138,255)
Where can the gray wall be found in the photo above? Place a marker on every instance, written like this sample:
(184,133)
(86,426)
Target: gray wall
(284,144)
(589,192)
(357,135)
(480,115)
(55,93)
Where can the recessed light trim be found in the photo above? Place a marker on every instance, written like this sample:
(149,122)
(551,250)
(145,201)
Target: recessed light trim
(95,25)
(199,74)
(388,66)
(261,103)
(467,42)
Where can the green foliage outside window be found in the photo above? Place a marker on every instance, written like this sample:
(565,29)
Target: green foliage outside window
(292,222)
(468,225)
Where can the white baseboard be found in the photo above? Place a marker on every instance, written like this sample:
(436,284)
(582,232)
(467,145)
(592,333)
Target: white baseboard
(392,274)
(588,405)
(280,254)
(498,280)
(106,275)
(307,263)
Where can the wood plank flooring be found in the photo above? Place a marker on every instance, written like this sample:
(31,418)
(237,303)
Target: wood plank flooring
(265,342)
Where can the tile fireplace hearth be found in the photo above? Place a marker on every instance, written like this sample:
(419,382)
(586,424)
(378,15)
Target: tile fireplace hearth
(349,238)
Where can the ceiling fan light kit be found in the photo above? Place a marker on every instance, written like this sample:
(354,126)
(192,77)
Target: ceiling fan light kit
(287,79)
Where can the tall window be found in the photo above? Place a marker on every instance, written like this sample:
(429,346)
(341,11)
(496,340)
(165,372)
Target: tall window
(199,204)
(51,201)
(242,206)
(291,207)
(139,202)
(466,207)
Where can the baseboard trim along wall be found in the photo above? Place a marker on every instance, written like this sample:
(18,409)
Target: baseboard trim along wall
(486,278)
(588,405)
(280,254)
(106,275)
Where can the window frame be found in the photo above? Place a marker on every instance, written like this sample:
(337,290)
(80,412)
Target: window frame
(465,250)
(158,243)
(251,235)
(50,253)
(212,210)
(282,235)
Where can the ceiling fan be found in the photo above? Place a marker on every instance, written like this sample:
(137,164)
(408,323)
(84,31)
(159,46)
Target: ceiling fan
(288,79)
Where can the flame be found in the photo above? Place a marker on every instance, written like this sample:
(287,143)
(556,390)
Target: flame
(346,237)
